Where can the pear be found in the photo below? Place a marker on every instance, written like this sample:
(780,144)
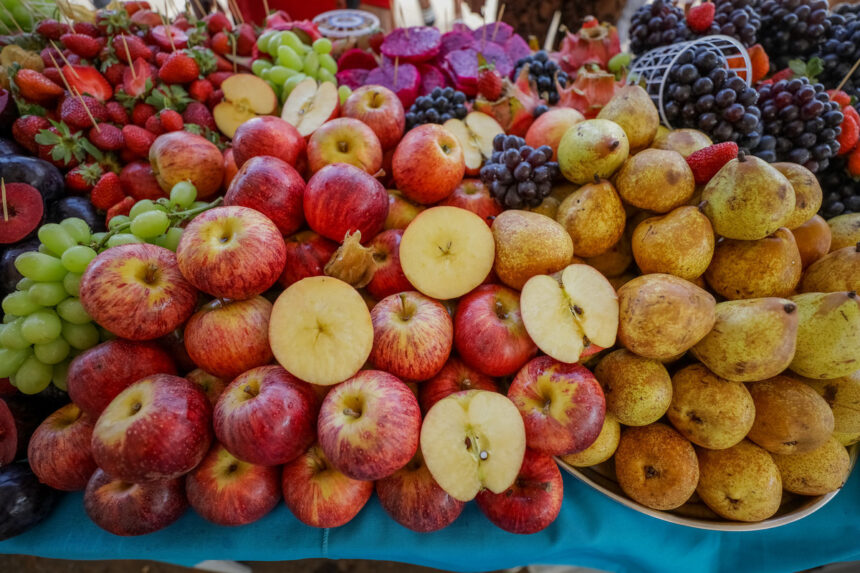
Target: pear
(615,261)
(838,271)
(828,335)
(845,230)
(592,149)
(638,390)
(601,449)
(680,243)
(656,179)
(748,199)
(753,269)
(843,396)
(594,218)
(528,244)
(632,108)
(790,417)
(813,239)
(751,340)
(820,471)
(684,141)
(807,192)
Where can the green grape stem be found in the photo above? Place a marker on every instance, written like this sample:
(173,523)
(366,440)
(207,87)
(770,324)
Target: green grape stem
(175,218)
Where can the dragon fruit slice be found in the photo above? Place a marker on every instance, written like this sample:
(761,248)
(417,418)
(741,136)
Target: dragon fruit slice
(415,44)
(463,67)
(408,81)
(454,41)
(356,59)
(517,48)
(595,43)
(495,55)
(501,30)
(354,78)
(514,110)
(431,77)
(592,89)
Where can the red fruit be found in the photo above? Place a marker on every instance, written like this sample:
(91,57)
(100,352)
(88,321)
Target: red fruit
(137,81)
(50,56)
(216,78)
(132,7)
(51,29)
(136,48)
(489,81)
(179,68)
(121,208)
(142,112)
(87,28)
(221,44)
(138,180)
(60,152)
(160,58)
(850,134)
(87,80)
(81,179)
(35,87)
(25,207)
(113,73)
(73,111)
(760,63)
(706,162)
(25,129)
(217,22)
(222,64)
(153,125)
(138,140)
(117,113)
(853,164)
(107,191)
(245,40)
(785,74)
(81,44)
(107,137)
(839,97)
(700,17)
(215,98)
(146,19)
(171,120)
(169,37)
(595,43)
(53,74)
(200,90)
(198,113)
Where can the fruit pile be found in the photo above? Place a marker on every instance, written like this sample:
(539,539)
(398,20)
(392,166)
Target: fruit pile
(426,287)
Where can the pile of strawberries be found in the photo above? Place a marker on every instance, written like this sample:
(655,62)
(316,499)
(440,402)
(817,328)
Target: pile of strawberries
(105,91)
(849,139)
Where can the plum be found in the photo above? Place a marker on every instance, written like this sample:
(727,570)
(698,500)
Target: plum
(24,502)
(79,207)
(9,275)
(36,172)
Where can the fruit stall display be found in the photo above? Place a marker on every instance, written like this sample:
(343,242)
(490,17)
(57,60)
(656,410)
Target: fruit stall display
(249,264)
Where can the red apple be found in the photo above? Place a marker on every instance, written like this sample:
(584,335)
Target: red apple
(345,140)
(266,416)
(230,168)
(212,385)
(428,164)
(455,376)
(489,333)
(307,255)
(98,374)
(59,452)
(183,156)
(368,426)
(388,278)
(228,491)
(310,105)
(474,196)
(562,405)
(412,335)
(126,509)
(156,429)
(534,500)
(137,291)
(273,188)
(267,135)
(8,435)
(138,181)
(401,211)
(549,128)
(381,110)
(318,494)
(231,252)
(414,500)
(228,337)
(341,199)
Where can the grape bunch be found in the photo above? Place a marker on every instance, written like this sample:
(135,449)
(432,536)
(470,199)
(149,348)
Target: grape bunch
(294,61)
(799,124)
(657,24)
(438,106)
(840,50)
(736,18)
(544,73)
(517,174)
(841,190)
(791,29)
(702,93)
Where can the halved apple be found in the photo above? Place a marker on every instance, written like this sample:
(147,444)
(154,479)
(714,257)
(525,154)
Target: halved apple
(569,312)
(320,330)
(245,97)
(446,251)
(311,105)
(473,440)
(475,133)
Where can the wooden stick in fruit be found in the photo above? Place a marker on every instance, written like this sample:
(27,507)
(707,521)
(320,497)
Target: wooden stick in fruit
(63,76)
(200,7)
(396,65)
(848,75)
(498,20)
(266,7)
(169,31)
(65,60)
(552,31)
(235,7)
(5,207)
(128,55)
(77,94)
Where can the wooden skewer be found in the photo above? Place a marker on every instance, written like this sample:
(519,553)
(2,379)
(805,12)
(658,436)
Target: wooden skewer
(62,75)
(5,207)
(200,7)
(402,16)
(89,113)
(848,75)
(11,15)
(169,30)
(59,51)
(235,6)
(266,8)
(498,20)
(233,43)
(128,55)
(553,30)
(396,64)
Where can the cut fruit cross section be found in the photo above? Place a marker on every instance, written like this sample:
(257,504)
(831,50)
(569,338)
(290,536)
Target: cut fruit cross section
(245,97)
(475,133)
(311,105)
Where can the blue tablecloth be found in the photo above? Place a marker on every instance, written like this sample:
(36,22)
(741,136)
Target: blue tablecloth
(592,531)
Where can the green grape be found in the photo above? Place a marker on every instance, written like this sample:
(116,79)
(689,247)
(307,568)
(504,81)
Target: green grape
(43,248)
(117,220)
(42,326)
(77,228)
(123,239)
(72,284)
(291,83)
(279,74)
(61,372)
(81,336)
(265,74)
(97,237)
(40,267)
(259,65)
(274,43)
(312,64)
(322,46)
(10,336)
(77,258)
(19,303)
(289,38)
(197,204)
(183,194)
(56,238)
(328,63)
(24,284)
(11,360)
(263,42)
(7,318)
(71,310)
(150,224)
(170,240)
(33,376)
(288,58)
(619,61)
(323,75)
(344,92)
(141,206)
(48,294)
(52,352)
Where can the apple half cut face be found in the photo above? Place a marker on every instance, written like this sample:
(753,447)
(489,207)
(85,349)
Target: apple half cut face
(475,132)
(568,313)
(473,440)
(320,330)
(245,97)
(310,105)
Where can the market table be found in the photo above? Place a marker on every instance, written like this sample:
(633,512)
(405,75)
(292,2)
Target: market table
(592,530)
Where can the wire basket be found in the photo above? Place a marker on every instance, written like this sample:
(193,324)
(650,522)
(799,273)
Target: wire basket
(346,23)
(651,70)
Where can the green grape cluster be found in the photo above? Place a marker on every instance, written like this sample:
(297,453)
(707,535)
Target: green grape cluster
(293,61)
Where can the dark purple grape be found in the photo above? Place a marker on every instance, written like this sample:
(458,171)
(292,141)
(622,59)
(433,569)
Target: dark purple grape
(725,98)
(703,86)
(536,158)
(512,157)
(499,142)
(733,113)
(527,189)
(688,74)
(705,103)
(522,171)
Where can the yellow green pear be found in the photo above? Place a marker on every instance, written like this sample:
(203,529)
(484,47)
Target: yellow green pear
(680,243)
(594,218)
(632,108)
(684,141)
(828,334)
(615,261)
(751,339)
(656,179)
(638,390)
(602,448)
(843,396)
(844,230)
(807,192)
(820,471)
(592,149)
(528,244)
(837,271)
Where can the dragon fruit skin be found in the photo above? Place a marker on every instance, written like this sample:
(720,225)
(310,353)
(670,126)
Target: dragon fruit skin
(595,43)
(515,109)
(592,89)
(354,78)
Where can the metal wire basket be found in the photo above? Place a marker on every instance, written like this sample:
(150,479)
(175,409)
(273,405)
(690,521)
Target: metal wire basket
(346,23)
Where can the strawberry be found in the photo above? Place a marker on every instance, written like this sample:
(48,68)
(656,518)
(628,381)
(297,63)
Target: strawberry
(113,73)
(153,125)
(87,28)
(839,97)
(221,44)
(81,44)
(785,74)
(107,137)
(216,98)
(107,192)
(136,48)
(179,68)
(137,82)
(121,208)
(54,75)
(141,113)
(51,29)
(489,81)
(59,146)
(132,7)
(81,179)
(117,113)
(216,78)
(138,140)
(199,114)
(26,128)
(146,19)
(35,87)
(87,80)
(50,56)
(222,64)
(853,164)
(850,133)
(73,111)
(200,90)
(706,162)
(217,22)
(160,58)
(700,18)
(171,120)
(245,39)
